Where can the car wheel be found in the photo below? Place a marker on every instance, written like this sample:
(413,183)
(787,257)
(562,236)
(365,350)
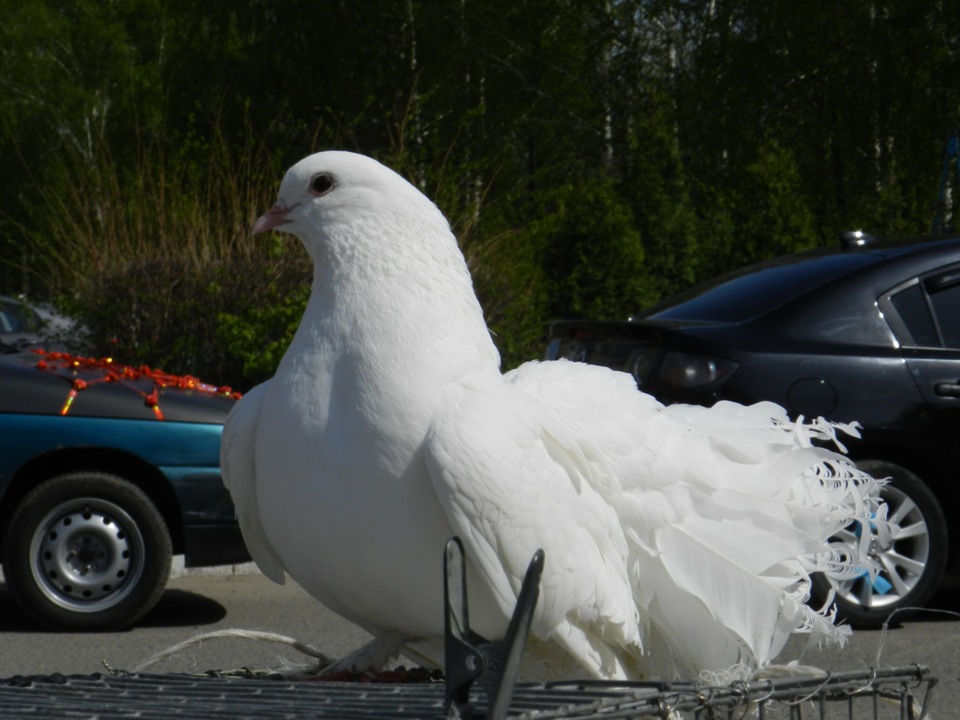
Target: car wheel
(911,564)
(86,551)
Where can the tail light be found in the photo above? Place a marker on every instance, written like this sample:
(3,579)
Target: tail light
(685,371)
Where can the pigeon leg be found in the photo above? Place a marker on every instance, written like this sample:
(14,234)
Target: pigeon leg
(372,657)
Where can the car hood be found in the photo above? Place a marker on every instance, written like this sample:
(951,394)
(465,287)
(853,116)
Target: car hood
(48,383)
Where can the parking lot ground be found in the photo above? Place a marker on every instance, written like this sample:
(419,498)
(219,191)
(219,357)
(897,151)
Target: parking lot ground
(199,604)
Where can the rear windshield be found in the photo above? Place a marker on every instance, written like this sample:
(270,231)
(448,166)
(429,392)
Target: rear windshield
(745,294)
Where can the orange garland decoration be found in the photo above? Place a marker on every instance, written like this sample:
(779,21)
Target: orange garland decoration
(67,366)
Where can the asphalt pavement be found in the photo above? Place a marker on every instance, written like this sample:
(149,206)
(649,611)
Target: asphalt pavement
(193,605)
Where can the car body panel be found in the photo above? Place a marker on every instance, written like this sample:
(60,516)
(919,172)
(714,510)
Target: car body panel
(172,444)
(59,413)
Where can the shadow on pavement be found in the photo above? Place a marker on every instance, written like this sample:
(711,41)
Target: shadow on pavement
(175,608)
(182,608)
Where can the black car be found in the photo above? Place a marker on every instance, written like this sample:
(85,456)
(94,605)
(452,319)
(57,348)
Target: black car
(106,471)
(868,331)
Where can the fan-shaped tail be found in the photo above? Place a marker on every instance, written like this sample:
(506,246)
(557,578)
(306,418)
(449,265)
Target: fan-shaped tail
(753,507)
(726,510)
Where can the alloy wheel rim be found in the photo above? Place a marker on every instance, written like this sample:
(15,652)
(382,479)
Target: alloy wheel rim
(901,560)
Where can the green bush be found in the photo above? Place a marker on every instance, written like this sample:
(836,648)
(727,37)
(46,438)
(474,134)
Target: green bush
(156,258)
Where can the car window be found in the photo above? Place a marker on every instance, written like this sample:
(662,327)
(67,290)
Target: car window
(945,303)
(11,319)
(911,306)
(926,312)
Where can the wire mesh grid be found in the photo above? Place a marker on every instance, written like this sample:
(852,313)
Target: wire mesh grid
(896,693)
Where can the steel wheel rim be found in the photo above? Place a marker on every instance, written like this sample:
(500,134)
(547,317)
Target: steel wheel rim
(87,555)
(901,561)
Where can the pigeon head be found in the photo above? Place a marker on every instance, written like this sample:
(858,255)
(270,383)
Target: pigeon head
(334,200)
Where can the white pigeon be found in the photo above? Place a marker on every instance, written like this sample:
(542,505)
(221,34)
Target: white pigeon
(677,539)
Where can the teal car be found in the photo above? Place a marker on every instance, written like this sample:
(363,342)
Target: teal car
(106,472)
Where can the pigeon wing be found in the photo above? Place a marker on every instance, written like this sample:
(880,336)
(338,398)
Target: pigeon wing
(239,473)
(512,482)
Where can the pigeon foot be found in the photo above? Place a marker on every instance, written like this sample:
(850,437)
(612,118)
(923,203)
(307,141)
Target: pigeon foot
(378,654)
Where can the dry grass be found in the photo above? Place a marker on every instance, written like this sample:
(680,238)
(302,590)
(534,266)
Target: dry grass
(155,255)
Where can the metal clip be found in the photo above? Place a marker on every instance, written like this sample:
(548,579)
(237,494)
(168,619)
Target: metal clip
(470,657)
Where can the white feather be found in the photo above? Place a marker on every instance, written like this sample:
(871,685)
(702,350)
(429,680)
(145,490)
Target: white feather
(237,467)
(677,539)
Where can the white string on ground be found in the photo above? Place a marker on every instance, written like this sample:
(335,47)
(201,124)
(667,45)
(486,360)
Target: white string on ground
(322,659)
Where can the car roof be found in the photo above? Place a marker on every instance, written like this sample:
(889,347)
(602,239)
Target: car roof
(31,383)
(759,289)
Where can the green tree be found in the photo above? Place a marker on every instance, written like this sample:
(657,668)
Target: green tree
(591,157)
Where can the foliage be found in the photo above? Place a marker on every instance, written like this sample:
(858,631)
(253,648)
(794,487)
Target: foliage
(160,263)
(255,328)
(592,157)
(581,227)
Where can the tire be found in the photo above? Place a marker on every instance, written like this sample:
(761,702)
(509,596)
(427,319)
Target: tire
(86,551)
(912,565)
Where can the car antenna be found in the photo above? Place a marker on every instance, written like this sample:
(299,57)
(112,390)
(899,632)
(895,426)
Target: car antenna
(854,239)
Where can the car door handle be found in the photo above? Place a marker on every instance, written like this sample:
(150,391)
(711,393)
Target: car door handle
(947,389)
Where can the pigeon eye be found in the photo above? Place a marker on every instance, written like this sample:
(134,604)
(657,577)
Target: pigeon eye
(321,184)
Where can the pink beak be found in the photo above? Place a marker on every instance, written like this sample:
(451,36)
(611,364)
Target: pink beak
(272,218)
